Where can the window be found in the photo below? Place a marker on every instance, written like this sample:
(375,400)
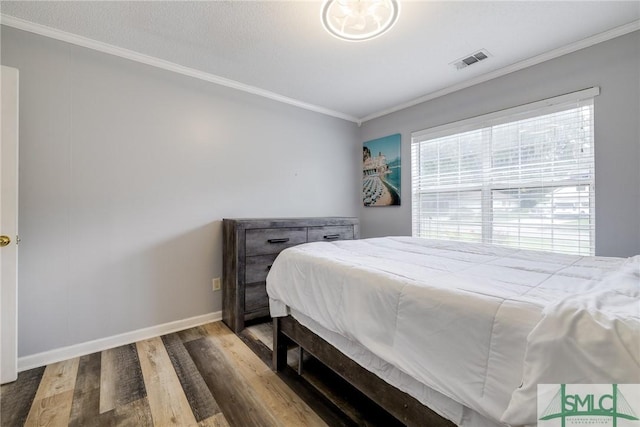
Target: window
(522,177)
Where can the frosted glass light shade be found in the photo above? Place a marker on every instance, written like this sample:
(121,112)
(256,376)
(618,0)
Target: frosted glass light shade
(357,20)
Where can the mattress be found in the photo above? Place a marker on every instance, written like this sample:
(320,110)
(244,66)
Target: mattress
(453,316)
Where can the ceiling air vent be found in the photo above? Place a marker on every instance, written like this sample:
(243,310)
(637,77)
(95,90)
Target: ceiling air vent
(481,55)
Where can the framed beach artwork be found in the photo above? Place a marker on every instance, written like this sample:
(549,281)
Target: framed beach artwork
(381,171)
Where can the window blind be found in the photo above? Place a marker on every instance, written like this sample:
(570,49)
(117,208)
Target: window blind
(522,177)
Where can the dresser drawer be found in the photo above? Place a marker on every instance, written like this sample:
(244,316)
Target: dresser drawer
(255,297)
(273,240)
(257,267)
(330,232)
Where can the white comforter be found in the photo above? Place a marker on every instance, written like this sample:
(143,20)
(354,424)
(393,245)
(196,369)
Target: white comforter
(455,316)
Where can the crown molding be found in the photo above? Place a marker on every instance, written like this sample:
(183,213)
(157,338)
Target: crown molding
(43,30)
(552,54)
(77,40)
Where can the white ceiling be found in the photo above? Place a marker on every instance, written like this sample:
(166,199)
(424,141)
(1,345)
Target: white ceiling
(281,46)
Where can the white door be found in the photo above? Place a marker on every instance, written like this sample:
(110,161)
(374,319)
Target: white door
(9,226)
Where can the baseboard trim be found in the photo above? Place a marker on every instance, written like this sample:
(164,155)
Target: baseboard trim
(77,350)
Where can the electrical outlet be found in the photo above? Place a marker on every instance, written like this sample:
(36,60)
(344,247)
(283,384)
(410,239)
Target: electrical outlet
(215,282)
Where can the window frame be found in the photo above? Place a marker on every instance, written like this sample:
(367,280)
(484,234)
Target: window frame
(485,185)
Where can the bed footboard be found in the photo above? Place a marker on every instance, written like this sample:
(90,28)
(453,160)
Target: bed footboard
(398,403)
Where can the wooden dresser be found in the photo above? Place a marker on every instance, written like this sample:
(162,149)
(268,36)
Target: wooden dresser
(249,248)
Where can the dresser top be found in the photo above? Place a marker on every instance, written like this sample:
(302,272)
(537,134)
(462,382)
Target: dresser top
(291,222)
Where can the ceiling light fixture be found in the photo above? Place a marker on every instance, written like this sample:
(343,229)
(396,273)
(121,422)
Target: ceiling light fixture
(357,20)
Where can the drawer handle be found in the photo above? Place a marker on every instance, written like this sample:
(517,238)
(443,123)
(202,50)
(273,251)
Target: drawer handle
(284,240)
(332,236)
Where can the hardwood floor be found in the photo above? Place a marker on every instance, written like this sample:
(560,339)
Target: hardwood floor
(203,376)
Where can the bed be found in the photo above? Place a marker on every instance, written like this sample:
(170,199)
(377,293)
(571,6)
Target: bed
(466,330)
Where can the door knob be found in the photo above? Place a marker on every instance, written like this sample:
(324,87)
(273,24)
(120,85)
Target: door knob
(4,241)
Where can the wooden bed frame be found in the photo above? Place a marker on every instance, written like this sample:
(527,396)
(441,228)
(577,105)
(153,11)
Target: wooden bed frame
(405,408)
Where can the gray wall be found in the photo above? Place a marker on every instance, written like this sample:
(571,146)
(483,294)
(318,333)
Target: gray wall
(614,66)
(125,174)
